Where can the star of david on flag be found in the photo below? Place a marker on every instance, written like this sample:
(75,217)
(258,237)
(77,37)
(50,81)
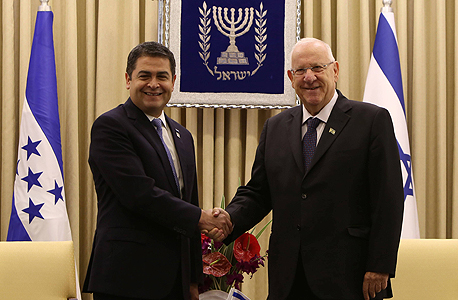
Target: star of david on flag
(384,88)
(39,210)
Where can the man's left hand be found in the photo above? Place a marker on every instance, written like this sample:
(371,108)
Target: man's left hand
(373,283)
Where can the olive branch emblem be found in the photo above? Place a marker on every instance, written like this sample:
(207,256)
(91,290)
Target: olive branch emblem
(204,28)
(260,37)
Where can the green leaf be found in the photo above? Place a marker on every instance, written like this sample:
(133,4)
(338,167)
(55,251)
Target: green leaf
(223,202)
(262,230)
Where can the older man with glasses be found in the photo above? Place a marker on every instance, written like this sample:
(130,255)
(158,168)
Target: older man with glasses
(329,170)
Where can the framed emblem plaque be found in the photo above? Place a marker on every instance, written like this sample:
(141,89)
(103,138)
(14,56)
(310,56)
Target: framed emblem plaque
(231,53)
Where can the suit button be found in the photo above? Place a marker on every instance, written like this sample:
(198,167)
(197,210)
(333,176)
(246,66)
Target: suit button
(304,196)
(298,227)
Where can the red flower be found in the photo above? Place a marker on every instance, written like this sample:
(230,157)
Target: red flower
(204,238)
(216,264)
(246,247)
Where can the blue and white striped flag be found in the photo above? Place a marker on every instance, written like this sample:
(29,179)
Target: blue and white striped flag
(39,211)
(235,294)
(384,88)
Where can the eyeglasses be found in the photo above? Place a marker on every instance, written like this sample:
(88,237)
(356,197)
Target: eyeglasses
(315,69)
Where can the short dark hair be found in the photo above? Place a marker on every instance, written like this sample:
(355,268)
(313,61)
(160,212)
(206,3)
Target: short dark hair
(151,49)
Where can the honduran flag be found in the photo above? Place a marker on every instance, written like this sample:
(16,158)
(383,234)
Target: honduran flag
(384,88)
(39,210)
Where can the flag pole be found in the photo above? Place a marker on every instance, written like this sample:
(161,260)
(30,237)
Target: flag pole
(44,6)
(387,6)
(160,22)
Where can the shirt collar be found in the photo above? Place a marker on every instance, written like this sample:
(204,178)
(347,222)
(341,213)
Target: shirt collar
(162,117)
(324,113)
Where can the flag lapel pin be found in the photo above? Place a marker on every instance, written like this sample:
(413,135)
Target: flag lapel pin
(332,131)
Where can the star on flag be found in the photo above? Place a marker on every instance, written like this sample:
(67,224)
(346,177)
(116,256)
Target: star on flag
(32,179)
(33,210)
(31,148)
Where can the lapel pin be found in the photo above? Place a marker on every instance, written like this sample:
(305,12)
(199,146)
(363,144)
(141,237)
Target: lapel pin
(332,131)
(177,132)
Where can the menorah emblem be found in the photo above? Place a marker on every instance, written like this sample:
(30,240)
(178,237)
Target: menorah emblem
(232,55)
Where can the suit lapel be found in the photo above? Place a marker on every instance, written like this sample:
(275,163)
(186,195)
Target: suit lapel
(294,130)
(336,123)
(141,122)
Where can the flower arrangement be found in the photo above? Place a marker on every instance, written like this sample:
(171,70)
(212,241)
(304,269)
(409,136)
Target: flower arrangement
(224,266)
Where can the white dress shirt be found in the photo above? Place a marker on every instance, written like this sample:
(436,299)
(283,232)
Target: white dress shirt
(323,115)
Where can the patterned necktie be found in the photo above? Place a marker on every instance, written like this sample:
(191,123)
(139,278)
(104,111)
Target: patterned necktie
(158,124)
(309,142)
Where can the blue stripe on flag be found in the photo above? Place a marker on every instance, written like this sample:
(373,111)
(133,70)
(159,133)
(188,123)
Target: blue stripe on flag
(387,56)
(238,295)
(41,90)
(16,230)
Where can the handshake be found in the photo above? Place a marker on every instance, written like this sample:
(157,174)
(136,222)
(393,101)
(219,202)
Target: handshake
(215,223)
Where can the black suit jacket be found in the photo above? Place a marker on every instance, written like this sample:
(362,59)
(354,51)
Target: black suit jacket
(145,233)
(343,216)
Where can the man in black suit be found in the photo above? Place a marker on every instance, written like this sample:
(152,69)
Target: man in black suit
(147,242)
(337,209)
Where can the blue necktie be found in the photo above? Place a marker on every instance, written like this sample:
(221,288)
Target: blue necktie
(158,124)
(309,142)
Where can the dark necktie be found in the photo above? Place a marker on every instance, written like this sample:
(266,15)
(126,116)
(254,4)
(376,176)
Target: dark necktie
(309,142)
(158,124)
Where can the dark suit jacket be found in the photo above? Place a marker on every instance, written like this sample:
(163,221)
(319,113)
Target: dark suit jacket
(343,216)
(145,233)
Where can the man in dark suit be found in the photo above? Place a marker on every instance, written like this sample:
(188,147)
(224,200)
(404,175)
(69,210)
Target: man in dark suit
(147,242)
(337,209)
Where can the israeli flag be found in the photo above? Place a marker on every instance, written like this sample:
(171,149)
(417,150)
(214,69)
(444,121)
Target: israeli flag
(235,294)
(384,88)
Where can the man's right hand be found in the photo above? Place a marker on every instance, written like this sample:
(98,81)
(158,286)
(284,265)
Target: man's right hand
(216,225)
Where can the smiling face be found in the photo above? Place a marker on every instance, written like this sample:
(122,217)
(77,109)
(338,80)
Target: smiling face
(151,84)
(314,89)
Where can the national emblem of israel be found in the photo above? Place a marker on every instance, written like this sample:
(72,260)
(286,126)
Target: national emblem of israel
(232,23)
(232,46)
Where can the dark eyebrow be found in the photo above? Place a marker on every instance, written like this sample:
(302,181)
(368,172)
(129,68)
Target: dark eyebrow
(142,72)
(162,73)
(159,73)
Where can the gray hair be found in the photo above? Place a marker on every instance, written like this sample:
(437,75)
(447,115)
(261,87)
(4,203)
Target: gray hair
(314,40)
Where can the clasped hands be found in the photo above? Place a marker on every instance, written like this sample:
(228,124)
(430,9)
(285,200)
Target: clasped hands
(215,223)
